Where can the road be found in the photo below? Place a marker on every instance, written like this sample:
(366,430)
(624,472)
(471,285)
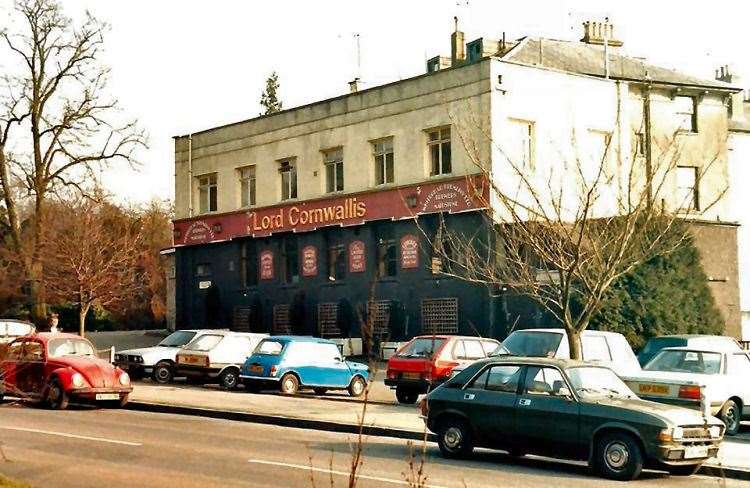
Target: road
(94,448)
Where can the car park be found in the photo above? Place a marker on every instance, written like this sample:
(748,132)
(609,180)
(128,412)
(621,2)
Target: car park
(59,368)
(216,357)
(428,360)
(712,342)
(291,363)
(159,361)
(566,408)
(715,381)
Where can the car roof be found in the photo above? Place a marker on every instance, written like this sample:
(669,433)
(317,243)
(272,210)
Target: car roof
(535,361)
(696,349)
(690,336)
(16,321)
(48,336)
(291,338)
(562,331)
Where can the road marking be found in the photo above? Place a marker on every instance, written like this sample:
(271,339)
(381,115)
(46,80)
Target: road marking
(333,471)
(73,436)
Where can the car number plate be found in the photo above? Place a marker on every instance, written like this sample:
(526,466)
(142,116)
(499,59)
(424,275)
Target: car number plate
(256,368)
(650,388)
(191,360)
(410,376)
(107,396)
(692,452)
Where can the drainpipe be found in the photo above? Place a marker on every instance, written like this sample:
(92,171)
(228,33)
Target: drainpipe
(647,141)
(190,175)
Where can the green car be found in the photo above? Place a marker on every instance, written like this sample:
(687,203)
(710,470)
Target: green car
(567,409)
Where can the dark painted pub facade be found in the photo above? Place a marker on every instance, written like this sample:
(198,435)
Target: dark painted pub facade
(321,266)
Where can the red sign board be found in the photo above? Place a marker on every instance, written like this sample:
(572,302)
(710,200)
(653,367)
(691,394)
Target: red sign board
(309,261)
(455,195)
(409,252)
(266,265)
(357,257)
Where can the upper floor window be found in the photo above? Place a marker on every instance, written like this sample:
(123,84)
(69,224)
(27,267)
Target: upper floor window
(687,188)
(334,162)
(207,193)
(382,151)
(639,143)
(288,170)
(247,186)
(686,109)
(522,140)
(439,146)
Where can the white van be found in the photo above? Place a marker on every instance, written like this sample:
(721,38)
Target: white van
(607,348)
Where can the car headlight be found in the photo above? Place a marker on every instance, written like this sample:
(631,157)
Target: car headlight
(77,380)
(124,379)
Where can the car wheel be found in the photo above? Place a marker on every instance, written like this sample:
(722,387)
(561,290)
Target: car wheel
(289,384)
(320,391)
(357,386)
(455,439)
(407,396)
(687,470)
(618,457)
(229,379)
(730,415)
(57,397)
(163,373)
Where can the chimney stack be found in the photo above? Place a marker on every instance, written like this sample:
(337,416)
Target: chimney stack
(458,48)
(597,32)
(354,85)
(736,101)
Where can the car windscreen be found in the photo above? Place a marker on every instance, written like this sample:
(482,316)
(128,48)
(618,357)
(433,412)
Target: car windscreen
(269,348)
(205,342)
(422,347)
(702,362)
(177,339)
(592,380)
(532,344)
(70,347)
(656,344)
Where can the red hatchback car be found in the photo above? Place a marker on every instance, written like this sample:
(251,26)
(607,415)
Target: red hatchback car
(58,368)
(426,361)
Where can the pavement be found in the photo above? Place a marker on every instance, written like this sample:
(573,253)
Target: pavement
(83,448)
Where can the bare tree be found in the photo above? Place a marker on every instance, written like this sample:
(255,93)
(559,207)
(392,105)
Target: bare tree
(562,233)
(56,123)
(92,257)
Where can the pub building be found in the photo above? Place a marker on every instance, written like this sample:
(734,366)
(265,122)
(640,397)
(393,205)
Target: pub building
(302,220)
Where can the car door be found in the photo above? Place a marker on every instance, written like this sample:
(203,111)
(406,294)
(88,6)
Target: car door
(8,366)
(738,371)
(547,416)
(336,370)
(490,402)
(30,368)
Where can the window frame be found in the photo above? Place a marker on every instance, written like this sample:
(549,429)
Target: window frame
(248,186)
(439,142)
(289,190)
(695,189)
(529,141)
(381,162)
(333,165)
(693,113)
(208,185)
(526,377)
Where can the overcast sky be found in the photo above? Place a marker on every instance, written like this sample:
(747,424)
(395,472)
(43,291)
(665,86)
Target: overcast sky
(183,66)
(190,65)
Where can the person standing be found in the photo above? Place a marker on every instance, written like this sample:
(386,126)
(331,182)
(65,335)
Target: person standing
(52,323)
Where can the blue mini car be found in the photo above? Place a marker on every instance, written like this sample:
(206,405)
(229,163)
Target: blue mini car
(291,363)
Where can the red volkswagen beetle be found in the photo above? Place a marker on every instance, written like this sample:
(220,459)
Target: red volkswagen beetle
(58,368)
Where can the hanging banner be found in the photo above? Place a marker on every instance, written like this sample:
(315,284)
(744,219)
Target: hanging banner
(357,258)
(309,261)
(266,265)
(409,252)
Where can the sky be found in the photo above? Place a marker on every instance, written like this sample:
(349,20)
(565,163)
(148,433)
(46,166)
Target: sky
(183,66)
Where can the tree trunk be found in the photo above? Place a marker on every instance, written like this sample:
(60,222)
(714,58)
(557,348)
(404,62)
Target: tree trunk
(82,312)
(36,292)
(574,343)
